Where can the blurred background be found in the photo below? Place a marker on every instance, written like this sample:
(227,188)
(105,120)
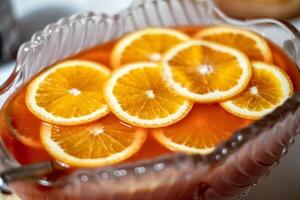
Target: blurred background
(30,16)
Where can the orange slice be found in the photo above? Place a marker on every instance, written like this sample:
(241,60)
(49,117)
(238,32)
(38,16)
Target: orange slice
(269,87)
(24,126)
(69,93)
(145,45)
(103,142)
(253,45)
(136,94)
(201,130)
(206,72)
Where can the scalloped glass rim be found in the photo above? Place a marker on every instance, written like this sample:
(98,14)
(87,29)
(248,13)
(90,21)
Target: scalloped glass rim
(239,138)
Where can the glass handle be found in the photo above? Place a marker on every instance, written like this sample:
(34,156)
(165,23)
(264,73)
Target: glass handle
(292,46)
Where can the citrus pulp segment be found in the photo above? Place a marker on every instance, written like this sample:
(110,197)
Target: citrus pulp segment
(145,45)
(250,43)
(137,94)
(269,87)
(205,72)
(103,142)
(69,93)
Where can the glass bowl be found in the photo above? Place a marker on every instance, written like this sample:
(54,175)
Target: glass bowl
(226,173)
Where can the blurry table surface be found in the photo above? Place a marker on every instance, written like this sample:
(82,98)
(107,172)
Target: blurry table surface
(284,180)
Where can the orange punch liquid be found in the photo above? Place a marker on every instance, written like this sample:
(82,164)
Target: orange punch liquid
(15,114)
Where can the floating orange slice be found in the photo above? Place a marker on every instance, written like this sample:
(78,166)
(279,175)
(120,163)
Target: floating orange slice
(201,130)
(103,142)
(24,126)
(250,43)
(269,87)
(137,94)
(145,45)
(69,93)
(206,72)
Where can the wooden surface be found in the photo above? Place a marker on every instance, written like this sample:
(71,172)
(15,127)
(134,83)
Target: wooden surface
(260,8)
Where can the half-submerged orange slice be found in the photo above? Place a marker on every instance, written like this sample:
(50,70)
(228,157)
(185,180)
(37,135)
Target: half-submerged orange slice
(269,87)
(206,72)
(69,93)
(22,123)
(100,143)
(201,130)
(137,94)
(146,45)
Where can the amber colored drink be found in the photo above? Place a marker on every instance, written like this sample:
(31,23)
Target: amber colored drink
(101,54)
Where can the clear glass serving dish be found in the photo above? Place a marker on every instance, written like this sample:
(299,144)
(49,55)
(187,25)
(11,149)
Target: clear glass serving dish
(226,173)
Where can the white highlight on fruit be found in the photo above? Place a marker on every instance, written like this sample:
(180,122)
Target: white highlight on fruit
(98,131)
(74,91)
(254,90)
(155,57)
(205,69)
(150,94)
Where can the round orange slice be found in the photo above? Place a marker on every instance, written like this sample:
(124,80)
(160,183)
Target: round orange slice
(103,142)
(69,93)
(137,94)
(145,45)
(206,126)
(24,126)
(269,87)
(250,43)
(206,72)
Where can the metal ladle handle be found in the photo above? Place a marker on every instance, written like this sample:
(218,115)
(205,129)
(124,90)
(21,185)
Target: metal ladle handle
(31,171)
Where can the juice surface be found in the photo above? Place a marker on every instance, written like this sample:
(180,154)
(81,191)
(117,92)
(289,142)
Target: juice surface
(213,113)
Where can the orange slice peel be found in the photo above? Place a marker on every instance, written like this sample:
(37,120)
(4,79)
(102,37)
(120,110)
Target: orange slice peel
(137,95)
(104,142)
(205,72)
(250,43)
(146,45)
(269,87)
(69,93)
